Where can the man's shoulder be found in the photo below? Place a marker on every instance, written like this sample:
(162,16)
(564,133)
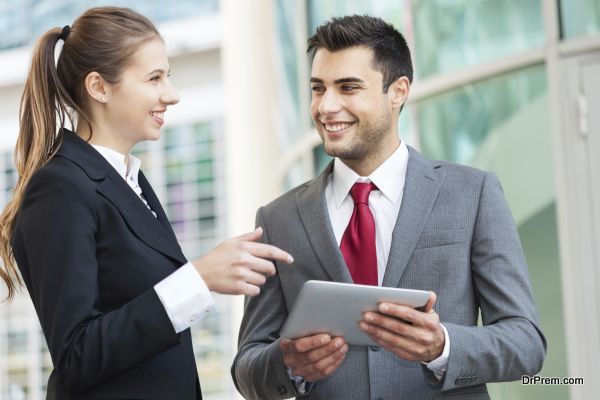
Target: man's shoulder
(456,177)
(288,198)
(461,170)
(446,167)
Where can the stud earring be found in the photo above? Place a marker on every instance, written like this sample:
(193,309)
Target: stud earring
(103,99)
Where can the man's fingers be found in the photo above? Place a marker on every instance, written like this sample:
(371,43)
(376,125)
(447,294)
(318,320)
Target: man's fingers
(327,372)
(270,252)
(385,336)
(305,344)
(406,313)
(429,305)
(321,365)
(392,324)
(316,355)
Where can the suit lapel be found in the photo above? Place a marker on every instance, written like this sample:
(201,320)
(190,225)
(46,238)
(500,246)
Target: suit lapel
(315,218)
(154,203)
(137,216)
(156,234)
(422,185)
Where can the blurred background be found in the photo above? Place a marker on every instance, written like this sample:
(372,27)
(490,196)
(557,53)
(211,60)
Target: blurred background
(511,86)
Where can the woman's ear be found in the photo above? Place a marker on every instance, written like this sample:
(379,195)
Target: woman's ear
(398,92)
(96,87)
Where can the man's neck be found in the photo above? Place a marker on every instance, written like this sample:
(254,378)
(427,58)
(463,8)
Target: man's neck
(366,165)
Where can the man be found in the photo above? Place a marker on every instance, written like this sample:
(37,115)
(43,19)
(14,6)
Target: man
(382,214)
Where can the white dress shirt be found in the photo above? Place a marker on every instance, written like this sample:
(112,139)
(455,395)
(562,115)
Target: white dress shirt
(384,203)
(184,293)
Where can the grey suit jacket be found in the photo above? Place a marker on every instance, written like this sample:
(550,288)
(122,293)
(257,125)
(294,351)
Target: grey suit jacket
(454,235)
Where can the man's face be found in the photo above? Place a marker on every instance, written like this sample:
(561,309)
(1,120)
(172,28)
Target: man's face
(352,114)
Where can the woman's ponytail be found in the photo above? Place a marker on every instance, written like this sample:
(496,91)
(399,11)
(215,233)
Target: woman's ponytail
(42,106)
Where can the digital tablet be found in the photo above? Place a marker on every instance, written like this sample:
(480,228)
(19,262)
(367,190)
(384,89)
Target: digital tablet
(336,308)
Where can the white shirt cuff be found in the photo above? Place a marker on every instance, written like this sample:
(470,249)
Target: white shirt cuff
(298,381)
(185,296)
(440,364)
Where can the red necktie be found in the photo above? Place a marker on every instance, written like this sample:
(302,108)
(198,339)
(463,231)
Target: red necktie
(358,242)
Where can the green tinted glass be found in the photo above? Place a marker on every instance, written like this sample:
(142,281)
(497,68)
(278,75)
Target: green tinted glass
(454,34)
(502,125)
(580,17)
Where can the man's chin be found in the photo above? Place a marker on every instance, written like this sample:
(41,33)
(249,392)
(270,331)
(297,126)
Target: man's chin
(338,151)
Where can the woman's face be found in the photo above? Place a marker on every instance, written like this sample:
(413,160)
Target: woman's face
(136,105)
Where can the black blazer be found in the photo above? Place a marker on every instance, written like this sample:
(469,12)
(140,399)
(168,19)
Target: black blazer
(90,253)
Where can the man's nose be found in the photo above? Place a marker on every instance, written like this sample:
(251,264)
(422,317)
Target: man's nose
(330,103)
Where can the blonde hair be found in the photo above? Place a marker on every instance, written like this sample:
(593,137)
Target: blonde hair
(102,39)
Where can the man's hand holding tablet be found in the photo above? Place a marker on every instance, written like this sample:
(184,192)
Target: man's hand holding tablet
(326,316)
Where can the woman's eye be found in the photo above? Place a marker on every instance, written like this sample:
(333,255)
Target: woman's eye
(155,78)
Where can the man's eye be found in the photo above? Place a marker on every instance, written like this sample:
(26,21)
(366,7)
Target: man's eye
(349,88)
(318,89)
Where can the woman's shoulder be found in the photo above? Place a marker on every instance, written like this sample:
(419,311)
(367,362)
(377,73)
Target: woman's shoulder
(62,175)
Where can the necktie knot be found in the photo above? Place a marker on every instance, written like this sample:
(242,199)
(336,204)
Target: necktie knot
(360,192)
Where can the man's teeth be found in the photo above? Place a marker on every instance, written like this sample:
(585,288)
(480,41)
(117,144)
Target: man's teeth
(158,115)
(338,126)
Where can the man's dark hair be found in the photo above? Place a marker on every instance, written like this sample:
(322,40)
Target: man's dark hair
(391,55)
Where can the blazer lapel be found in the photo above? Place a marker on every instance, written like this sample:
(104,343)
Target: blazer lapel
(315,218)
(423,181)
(156,234)
(154,203)
(139,219)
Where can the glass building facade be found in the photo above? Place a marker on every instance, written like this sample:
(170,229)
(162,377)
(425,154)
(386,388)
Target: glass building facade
(21,22)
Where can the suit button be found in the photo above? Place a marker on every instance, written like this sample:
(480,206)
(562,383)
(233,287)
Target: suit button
(375,348)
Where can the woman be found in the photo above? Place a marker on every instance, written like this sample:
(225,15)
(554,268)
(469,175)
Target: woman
(114,293)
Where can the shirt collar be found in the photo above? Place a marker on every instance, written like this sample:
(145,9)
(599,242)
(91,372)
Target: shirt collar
(389,177)
(117,160)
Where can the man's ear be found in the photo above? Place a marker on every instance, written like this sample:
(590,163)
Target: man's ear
(96,87)
(398,92)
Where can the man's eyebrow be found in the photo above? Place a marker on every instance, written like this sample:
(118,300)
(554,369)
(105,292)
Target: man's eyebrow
(348,80)
(338,81)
